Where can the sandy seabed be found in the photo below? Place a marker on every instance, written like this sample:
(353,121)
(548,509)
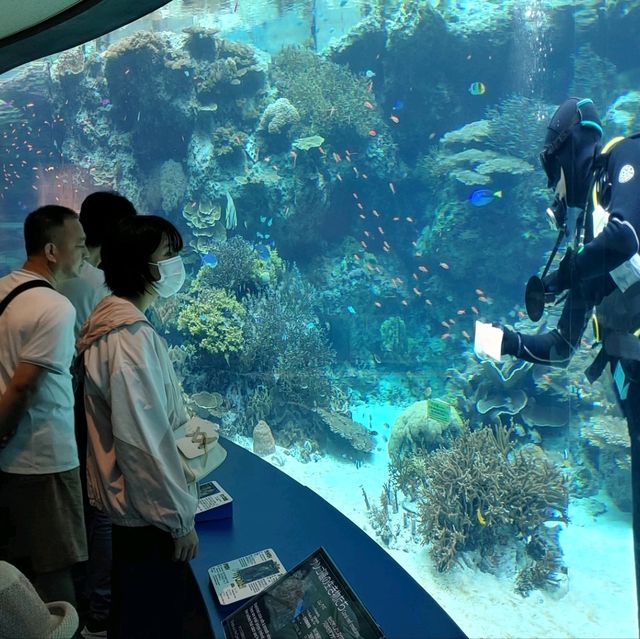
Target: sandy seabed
(598,551)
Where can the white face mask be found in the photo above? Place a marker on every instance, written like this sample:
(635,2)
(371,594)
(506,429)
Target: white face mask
(172,276)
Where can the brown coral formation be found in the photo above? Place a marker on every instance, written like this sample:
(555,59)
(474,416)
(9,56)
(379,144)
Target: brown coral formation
(263,442)
(356,434)
(479,494)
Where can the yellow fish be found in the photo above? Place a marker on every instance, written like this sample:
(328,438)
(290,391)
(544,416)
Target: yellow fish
(481,520)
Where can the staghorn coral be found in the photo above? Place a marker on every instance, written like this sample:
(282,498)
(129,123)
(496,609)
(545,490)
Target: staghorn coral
(215,319)
(478,494)
(278,115)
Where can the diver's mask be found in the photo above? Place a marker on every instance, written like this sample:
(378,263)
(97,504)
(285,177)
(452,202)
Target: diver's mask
(172,276)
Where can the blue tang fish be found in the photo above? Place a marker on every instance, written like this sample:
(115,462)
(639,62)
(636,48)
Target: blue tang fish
(482,197)
(477,88)
(210,260)
(263,251)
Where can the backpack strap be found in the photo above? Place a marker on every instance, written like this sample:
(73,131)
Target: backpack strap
(20,289)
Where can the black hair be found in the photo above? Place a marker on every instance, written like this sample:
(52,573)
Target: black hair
(101,212)
(127,251)
(41,225)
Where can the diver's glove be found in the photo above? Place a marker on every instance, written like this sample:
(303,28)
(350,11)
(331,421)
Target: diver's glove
(511,342)
(562,278)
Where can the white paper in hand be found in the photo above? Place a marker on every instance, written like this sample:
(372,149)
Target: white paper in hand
(488,341)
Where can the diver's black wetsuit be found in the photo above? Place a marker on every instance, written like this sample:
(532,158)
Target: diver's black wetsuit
(591,283)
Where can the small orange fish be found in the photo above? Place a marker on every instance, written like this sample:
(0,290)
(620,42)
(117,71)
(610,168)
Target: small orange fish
(444,323)
(373,133)
(423,268)
(395,219)
(466,335)
(395,119)
(377,304)
(355,195)
(475,309)
(336,157)
(405,303)
(409,219)
(370,86)
(461,311)
(364,217)
(375,213)
(479,291)
(444,265)
(367,233)
(428,301)
(386,249)
(381,230)
(364,244)
(414,276)
(445,336)
(321,150)
(377,359)
(482,298)
(364,176)
(339,177)
(360,206)
(368,104)
(392,186)
(451,321)
(355,170)
(417,291)
(356,257)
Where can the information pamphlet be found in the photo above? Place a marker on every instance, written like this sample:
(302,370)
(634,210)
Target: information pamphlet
(245,577)
(312,601)
(214,502)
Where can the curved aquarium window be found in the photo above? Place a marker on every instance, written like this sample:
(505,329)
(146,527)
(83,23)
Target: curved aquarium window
(357,183)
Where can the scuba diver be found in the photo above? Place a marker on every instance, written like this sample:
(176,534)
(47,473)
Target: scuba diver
(600,268)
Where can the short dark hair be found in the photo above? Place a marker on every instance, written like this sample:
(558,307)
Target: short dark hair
(40,226)
(126,253)
(101,212)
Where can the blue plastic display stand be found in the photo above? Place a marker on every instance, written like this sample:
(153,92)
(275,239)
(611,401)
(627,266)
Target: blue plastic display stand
(271,510)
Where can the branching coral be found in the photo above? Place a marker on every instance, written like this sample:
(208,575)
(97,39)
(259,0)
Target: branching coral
(328,96)
(215,319)
(478,494)
(240,269)
(285,343)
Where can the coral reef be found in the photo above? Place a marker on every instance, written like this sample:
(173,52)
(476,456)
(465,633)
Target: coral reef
(423,426)
(479,494)
(284,341)
(356,434)
(215,319)
(278,115)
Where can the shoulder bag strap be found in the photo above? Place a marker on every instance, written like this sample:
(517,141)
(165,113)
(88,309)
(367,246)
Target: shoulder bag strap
(20,289)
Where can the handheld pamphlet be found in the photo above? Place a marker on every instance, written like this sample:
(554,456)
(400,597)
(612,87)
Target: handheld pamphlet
(312,601)
(245,577)
(488,341)
(213,502)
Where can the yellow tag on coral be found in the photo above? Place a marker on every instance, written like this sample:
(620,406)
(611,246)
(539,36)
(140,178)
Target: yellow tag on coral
(481,520)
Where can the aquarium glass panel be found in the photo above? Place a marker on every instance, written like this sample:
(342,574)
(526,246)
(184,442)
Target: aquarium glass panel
(358,184)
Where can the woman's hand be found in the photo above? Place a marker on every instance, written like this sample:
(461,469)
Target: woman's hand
(186,548)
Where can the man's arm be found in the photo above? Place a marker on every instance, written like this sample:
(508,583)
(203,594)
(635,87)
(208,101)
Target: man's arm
(15,400)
